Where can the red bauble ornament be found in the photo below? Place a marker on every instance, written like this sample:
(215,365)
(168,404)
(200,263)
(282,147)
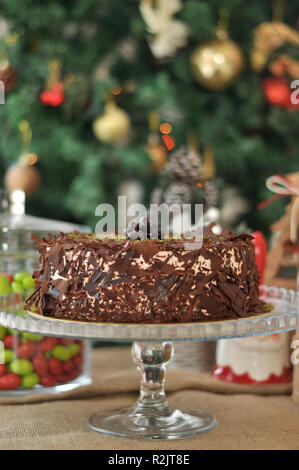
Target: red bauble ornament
(260,251)
(277,91)
(53,97)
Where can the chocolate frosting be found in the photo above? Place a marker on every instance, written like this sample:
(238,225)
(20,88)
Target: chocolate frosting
(122,280)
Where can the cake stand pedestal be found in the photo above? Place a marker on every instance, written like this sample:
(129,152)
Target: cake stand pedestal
(152,417)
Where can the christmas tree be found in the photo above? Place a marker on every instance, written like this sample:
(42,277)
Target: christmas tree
(87,77)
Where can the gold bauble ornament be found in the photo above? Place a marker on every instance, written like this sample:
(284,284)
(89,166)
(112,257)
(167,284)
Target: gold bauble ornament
(113,126)
(217,63)
(24,177)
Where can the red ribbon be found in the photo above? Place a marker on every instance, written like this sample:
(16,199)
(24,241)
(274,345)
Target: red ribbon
(281,186)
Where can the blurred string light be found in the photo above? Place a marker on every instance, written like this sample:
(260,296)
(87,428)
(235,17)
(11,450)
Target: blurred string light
(116,91)
(165,129)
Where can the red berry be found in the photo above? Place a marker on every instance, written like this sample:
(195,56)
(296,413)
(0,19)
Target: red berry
(3,369)
(47,344)
(55,366)
(10,381)
(11,341)
(27,350)
(40,363)
(47,380)
(68,366)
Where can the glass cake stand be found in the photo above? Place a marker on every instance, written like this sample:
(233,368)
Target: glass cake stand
(152,417)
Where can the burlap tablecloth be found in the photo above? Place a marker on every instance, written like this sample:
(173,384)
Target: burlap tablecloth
(246,421)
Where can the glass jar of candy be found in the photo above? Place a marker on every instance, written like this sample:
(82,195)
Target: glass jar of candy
(32,363)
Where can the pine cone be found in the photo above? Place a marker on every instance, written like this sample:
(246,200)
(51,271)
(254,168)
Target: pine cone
(177,193)
(8,77)
(211,194)
(157,196)
(185,165)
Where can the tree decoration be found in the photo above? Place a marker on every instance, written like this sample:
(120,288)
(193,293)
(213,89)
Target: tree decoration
(113,126)
(284,65)
(4,28)
(23,175)
(76,93)
(8,74)
(156,150)
(278,93)
(282,259)
(54,94)
(217,63)
(168,34)
(267,38)
(183,180)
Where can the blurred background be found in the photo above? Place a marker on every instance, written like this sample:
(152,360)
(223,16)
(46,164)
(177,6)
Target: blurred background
(159,100)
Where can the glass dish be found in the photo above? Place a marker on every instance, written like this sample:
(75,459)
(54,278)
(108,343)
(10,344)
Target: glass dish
(33,362)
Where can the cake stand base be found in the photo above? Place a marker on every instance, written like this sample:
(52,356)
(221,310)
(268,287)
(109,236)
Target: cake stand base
(152,417)
(177,425)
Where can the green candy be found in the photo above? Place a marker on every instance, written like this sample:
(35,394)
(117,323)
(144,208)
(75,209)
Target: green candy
(61,352)
(21,367)
(28,282)
(30,380)
(4,285)
(20,276)
(74,349)
(17,287)
(12,332)
(32,337)
(9,355)
(3,332)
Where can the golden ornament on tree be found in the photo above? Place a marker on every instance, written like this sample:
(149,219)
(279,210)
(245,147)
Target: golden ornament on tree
(22,176)
(267,38)
(113,126)
(217,63)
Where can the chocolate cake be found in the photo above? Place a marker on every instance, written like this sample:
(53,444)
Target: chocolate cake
(154,281)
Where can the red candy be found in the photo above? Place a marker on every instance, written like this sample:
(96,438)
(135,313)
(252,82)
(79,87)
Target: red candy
(55,366)
(10,381)
(41,364)
(47,344)
(47,380)
(11,341)
(65,341)
(27,350)
(78,360)
(62,378)
(3,369)
(68,366)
